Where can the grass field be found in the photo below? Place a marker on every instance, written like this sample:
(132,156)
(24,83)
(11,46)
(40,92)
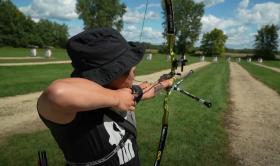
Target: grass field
(272,63)
(25,52)
(236,54)
(57,54)
(25,79)
(269,77)
(196,134)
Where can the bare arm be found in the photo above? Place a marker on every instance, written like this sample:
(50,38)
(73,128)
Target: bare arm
(150,90)
(64,98)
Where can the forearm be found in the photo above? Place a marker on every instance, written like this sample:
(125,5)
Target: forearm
(151,90)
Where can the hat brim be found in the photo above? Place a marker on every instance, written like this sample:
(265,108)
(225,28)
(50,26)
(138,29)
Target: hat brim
(116,68)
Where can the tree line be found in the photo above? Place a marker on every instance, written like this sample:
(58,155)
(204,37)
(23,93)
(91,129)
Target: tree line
(187,14)
(18,30)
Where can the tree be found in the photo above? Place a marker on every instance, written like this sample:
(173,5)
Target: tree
(17,30)
(52,34)
(187,22)
(266,42)
(213,43)
(11,19)
(100,13)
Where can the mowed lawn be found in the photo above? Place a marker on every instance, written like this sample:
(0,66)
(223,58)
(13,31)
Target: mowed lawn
(196,134)
(275,63)
(267,76)
(17,80)
(57,54)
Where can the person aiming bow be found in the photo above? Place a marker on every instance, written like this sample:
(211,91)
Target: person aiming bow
(92,114)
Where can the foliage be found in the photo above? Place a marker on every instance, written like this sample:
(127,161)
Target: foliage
(187,17)
(245,50)
(266,42)
(100,13)
(213,42)
(17,30)
(52,33)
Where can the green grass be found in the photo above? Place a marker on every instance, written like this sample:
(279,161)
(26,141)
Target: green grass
(57,54)
(22,149)
(269,77)
(14,52)
(30,60)
(158,63)
(196,135)
(17,80)
(25,79)
(272,63)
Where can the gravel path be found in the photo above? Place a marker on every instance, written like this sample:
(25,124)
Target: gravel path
(254,127)
(18,114)
(268,67)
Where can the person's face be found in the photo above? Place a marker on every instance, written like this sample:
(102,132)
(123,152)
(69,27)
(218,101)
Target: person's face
(125,81)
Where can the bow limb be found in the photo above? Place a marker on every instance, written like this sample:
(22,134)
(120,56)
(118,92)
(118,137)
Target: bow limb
(170,42)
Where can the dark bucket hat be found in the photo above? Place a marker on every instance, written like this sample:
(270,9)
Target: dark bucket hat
(102,55)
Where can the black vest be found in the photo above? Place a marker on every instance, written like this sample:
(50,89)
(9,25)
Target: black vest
(92,135)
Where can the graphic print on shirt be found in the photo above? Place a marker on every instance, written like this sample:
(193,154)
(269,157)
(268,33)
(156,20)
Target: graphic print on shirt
(116,133)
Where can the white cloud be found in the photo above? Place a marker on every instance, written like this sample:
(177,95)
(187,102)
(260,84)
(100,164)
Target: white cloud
(132,33)
(61,10)
(259,14)
(209,3)
(241,29)
(135,16)
(150,5)
(240,37)
(237,32)
(243,4)
(74,29)
(210,22)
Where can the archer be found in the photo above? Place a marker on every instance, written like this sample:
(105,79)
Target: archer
(91,115)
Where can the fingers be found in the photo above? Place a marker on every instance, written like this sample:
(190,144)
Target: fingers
(131,108)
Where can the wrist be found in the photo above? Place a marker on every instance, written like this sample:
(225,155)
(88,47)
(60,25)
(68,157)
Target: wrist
(114,100)
(138,92)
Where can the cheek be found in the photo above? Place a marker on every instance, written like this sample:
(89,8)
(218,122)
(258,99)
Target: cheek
(129,80)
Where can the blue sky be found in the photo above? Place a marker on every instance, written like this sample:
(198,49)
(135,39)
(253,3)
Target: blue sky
(239,19)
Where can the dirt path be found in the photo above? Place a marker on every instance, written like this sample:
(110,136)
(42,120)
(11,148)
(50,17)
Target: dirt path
(34,63)
(18,114)
(20,58)
(254,120)
(154,76)
(268,67)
